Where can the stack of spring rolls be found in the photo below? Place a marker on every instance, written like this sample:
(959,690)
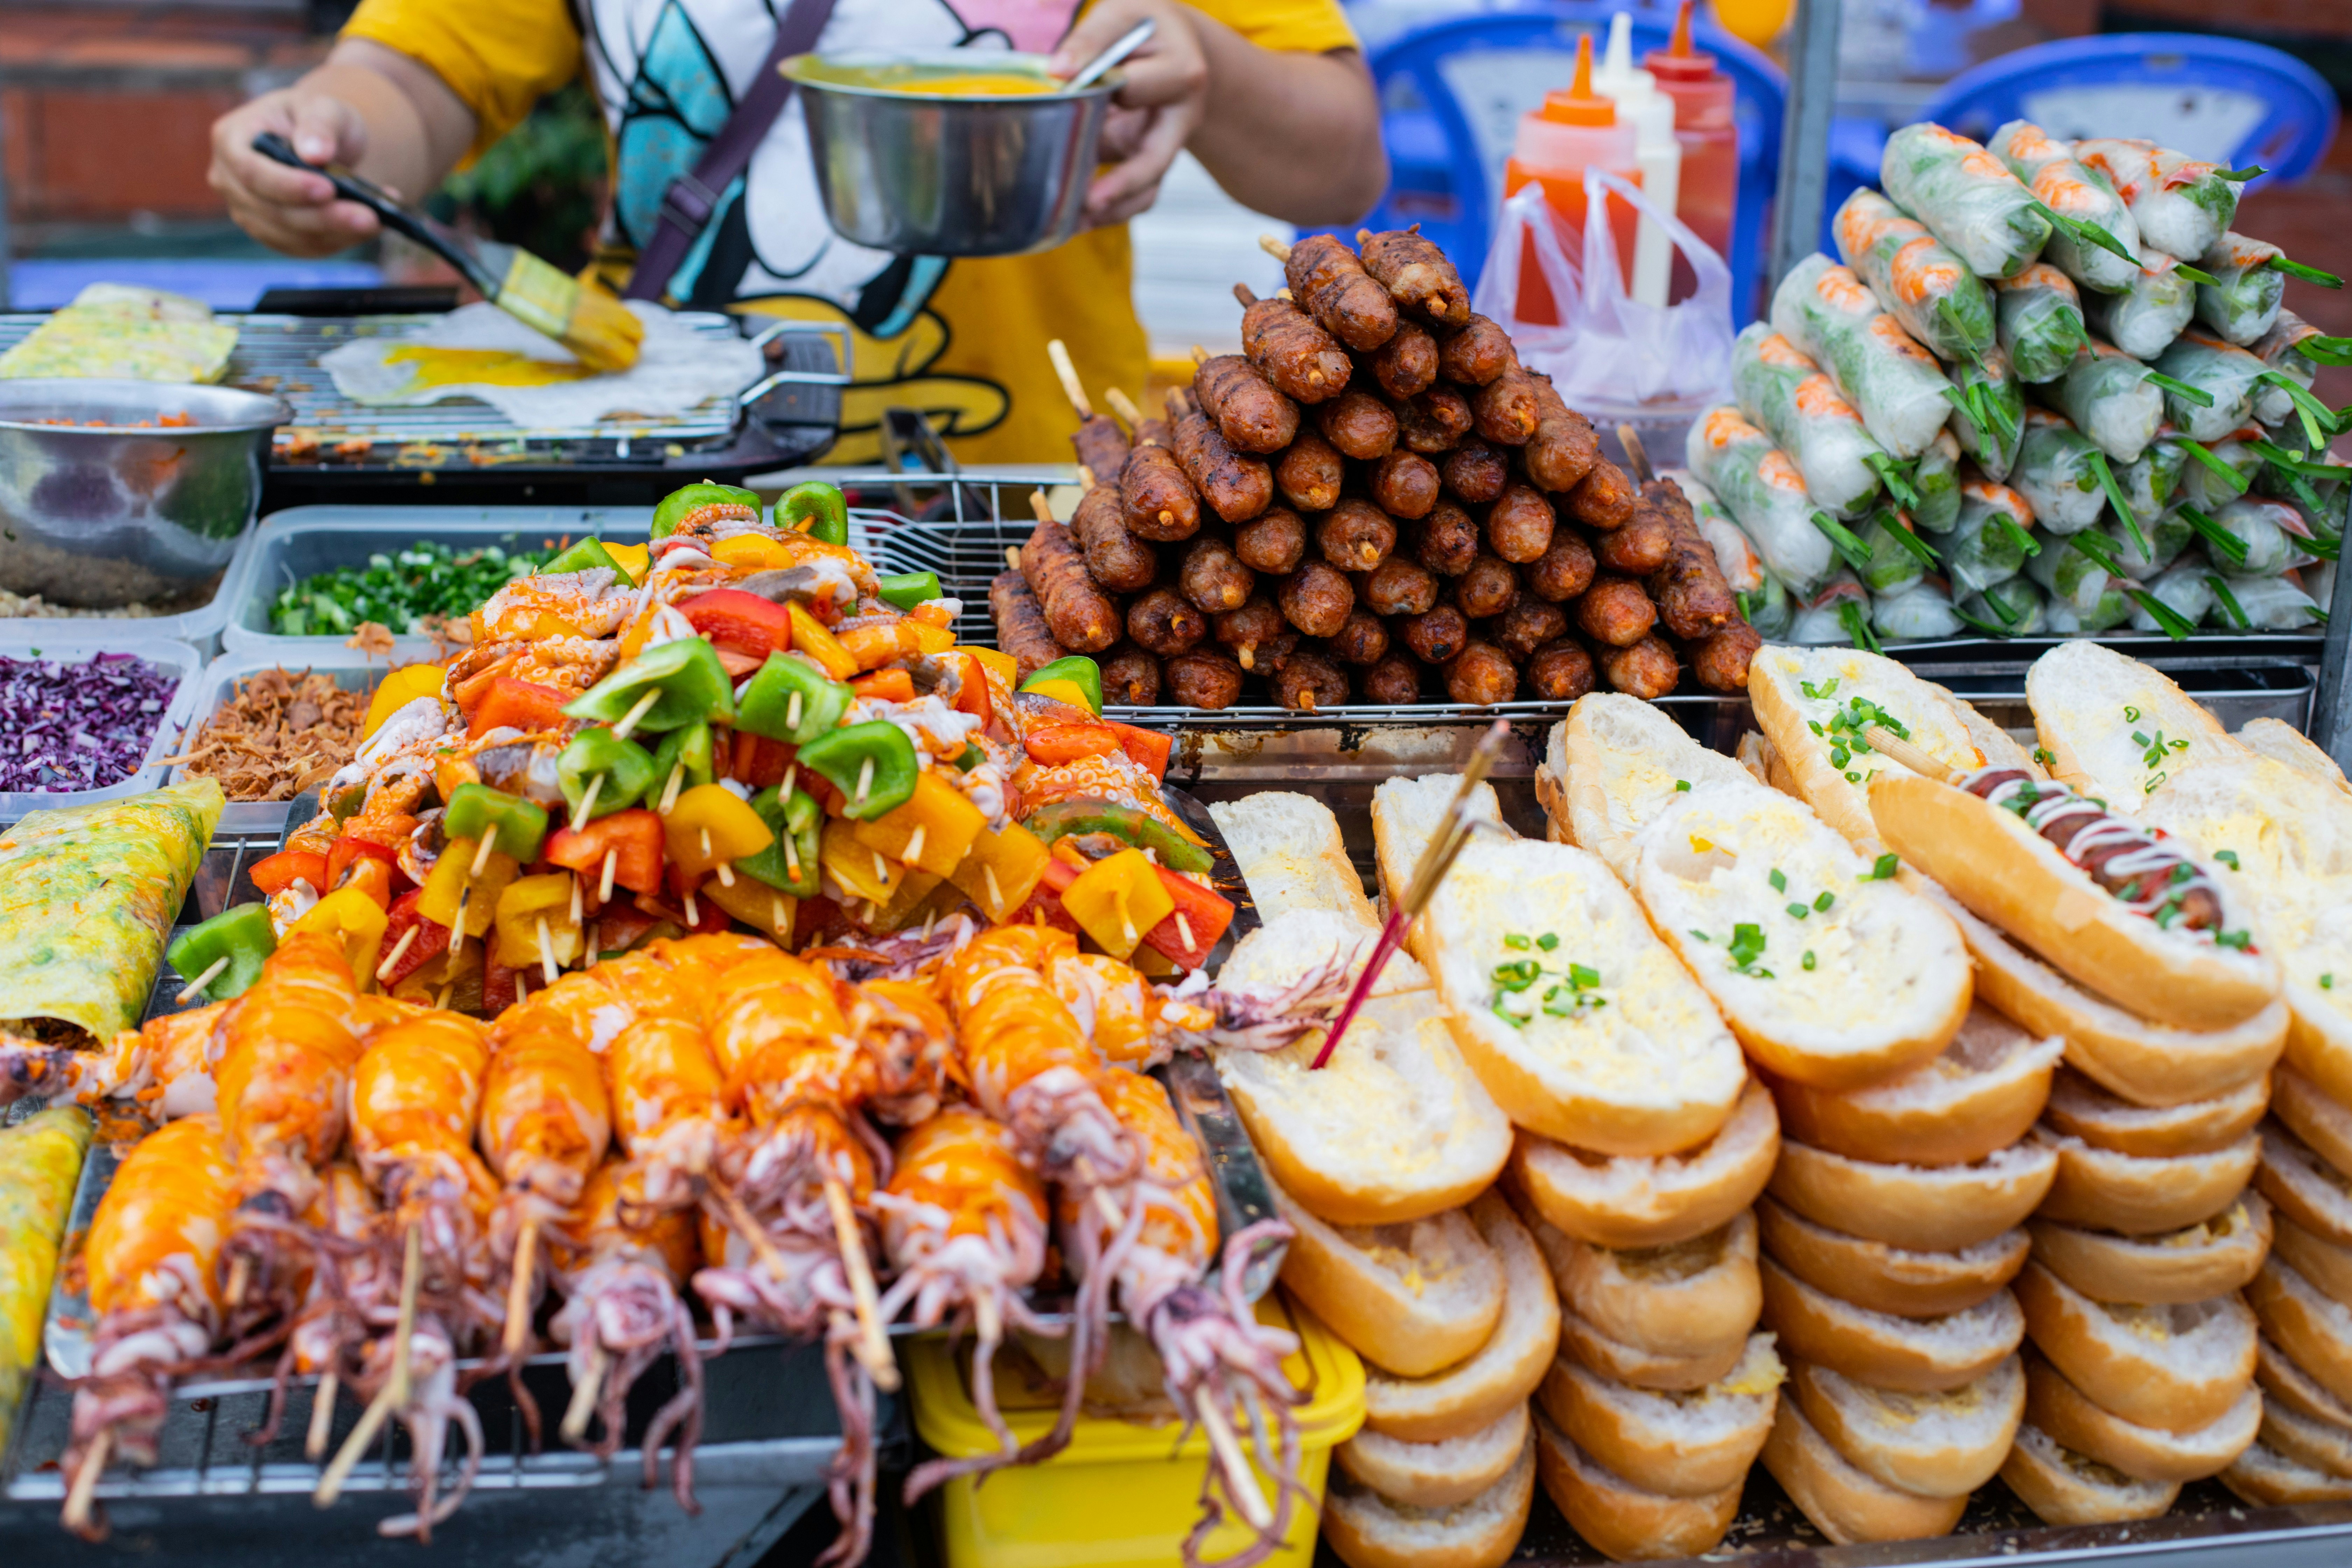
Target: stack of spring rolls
(1989,419)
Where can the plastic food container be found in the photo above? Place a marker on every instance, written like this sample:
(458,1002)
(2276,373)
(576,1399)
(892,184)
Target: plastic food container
(304,541)
(1117,1497)
(178,660)
(217,683)
(199,627)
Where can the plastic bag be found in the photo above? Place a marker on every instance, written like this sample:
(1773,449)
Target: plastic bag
(1610,354)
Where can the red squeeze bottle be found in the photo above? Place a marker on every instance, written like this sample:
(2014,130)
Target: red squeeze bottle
(1572,129)
(1702,98)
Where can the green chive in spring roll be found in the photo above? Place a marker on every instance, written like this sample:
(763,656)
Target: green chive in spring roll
(1800,408)
(2041,318)
(1921,281)
(2085,206)
(2181,205)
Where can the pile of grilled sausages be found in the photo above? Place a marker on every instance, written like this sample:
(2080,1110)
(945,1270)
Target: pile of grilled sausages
(1373,502)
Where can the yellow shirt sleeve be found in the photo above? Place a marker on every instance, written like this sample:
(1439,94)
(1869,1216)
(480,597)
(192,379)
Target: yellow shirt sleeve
(500,56)
(1295,27)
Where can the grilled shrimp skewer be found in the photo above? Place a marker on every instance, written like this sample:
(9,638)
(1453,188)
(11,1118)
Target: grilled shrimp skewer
(153,1252)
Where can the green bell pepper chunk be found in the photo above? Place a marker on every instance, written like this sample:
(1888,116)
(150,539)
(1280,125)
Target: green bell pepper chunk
(1129,824)
(908,589)
(790,864)
(242,935)
(677,506)
(792,700)
(477,809)
(624,766)
(691,748)
(1075,667)
(585,555)
(873,765)
(688,683)
(818,509)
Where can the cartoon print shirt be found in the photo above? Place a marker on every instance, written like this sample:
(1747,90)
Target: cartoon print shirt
(962,339)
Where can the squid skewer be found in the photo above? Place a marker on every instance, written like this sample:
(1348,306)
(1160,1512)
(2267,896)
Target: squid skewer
(145,1076)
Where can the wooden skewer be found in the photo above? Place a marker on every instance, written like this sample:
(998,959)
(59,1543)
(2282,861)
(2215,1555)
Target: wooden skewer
(1277,248)
(212,972)
(546,953)
(1637,454)
(583,1395)
(483,851)
(577,912)
(399,950)
(518,1325)
(1060,353)
(621,731)
(78,1501)
(322,1417)
(873,1345)
(1899,750)
(1037,505)
(1123,405)
(588,801)
(396,1390)
(1012,556)
(1240,1479)
(240,1281)
(677,779)
(748,1229)
(1200,354)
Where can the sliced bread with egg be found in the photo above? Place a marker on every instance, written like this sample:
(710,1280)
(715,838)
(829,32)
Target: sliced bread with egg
(1612,763)
(2287,1386)
(1691,1443)
(1288,850)
(1691,1297)
(1413,1297)
(1369,1531)
(2178,1366)
(1436,1475)
(2064,1488)
(1632,1200)
(1915,1354)
(2212,1258)
(1622,1519)
(1942,1444)
(2090,702)
(1638,1367)
(2325,1446)
(1980,1094)
(2143,1452)
(1473,1394)
(1846,1503)
(1905,1282)
(2305,1189)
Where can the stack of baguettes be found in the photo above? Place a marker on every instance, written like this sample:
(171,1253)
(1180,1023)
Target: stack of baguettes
(2162,1134)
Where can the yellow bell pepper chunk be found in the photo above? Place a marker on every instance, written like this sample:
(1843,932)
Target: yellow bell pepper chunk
(634,559)
(356,921)
(929,638)
(905,906)
(398,690)
(861,870)
(874,646)
(930,832)
(752,551)
(711,823)
(1001,870)
(757,905)
(452,878)
(1068,691)
(527,901)
(998,664)
(1117,900)
(809,636)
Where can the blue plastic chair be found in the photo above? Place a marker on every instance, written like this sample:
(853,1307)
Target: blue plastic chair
(1451,98)
(2224,100)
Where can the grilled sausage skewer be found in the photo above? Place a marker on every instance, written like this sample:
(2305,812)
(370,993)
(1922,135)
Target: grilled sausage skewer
(1329,283)
(1101,444)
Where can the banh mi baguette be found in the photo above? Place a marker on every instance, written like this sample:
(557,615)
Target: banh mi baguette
(1299,939)
(2268,1479)
(2143,1195)
(1830,972)
(2306,1190)
(1814,704)
(1578,1021)
(2081,1108)
(1926,1207)
(1613,763)
(2324,1263)
(1436,1475)
(1288,850)
(1943,1444)
(2287,1387)
(2178,1366)
(1410,814)
(2123,913)
(2324,1125)
(1689,1298)
(1921,1355)
(2089,701)
(1628,1201)
(1692,1444)
(2195,1263)
(1755,753)
(1473,1394)
(1621,1519)
(2064,1487)
(1982,1094)
(1636,1367)
(2143,1452)
(1996,745)
(1903,1283)
(1369,1531)
(2283,743)
(2147,1064)
(1413,1298)
(1846,1503)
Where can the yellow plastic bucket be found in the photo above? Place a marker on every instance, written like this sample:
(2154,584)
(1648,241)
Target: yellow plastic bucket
(1123,1492)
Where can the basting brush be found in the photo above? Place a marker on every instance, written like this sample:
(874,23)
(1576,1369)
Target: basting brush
(601,333)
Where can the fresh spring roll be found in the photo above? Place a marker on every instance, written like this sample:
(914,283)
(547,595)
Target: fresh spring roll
(1921,281)
(2017,608)
(1936,478)
(2264,604)
(2271,533)
(1800,408)
(2243,300)
(1764,493)
(2073,575)
(2145,318)
(2280,349)
(1966,197)
(2152,482)
(2113,609)
(1923,610)
(2181,205)
(2058,473)
(2204,486)
(1762,600)
(1839,613)
(2228,375)
(2048,169)
(1891,381)
(1988,412)
(2041,320)
(1895,565)
(2185,588)
(1989,545)
(2167,537)
(2108,395)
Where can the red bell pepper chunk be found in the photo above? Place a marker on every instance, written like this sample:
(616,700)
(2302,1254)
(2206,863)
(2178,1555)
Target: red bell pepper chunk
(632,837)
(517,704)
(282,871)
(742,622)
(1149,750)
(1057,743)
(1193,928)
(885,686)
(347,849)
(622,927)
(503,987)
(971,692)
(1044,904)
(432,939)
(758,760)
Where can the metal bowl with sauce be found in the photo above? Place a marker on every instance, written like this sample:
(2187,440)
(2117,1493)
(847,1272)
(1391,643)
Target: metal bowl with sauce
(117,491)
(950,154)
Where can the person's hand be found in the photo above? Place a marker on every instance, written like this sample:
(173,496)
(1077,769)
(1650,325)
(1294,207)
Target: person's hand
(287,210)
(1154,114)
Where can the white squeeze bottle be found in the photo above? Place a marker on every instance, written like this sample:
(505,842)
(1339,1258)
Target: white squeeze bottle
(1655,152)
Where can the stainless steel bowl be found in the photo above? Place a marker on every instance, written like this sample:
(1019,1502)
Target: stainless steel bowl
(97,511)
(937,175)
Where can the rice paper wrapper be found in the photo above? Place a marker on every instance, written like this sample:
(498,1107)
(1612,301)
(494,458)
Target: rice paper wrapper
(2114,608)
(1918,613)
(1936,478)
(1892,568)
(2040,322)
(2268,604)
(2152,481)
(2056,476)
(2073,579)
(2111,401)
(2181,204)
(1980,552)
(2206,490)
(1994,386)
(2017,608)
(1764,492)
(88,895)
(1894,384)
(1822,618)
(2268,530)
(1921,281)
(2183,588)
(2145,318)
(2243,302)
(2048,168)
(1966,197)
(2276,349)
(2224,372)
(2166,536)
(1790,398)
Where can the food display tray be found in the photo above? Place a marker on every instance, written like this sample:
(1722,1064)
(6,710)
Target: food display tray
(199,627)
(73,642)
(218,683)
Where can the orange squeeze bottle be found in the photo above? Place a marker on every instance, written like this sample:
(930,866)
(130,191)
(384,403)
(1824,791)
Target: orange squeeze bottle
(1556,144)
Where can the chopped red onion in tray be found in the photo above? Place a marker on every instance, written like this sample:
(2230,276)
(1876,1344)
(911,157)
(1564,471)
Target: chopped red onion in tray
(67,727)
